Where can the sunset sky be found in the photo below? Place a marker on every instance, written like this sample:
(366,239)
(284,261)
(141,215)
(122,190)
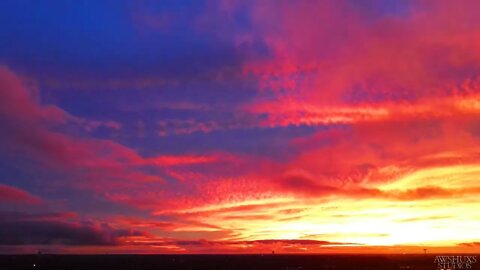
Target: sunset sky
(239,126)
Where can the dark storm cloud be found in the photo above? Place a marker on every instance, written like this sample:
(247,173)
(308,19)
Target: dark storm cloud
(25,229)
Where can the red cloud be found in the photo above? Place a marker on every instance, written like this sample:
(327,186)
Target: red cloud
(17,101)
(181,160)
(301,185)
(239,246)
(9,194)
(28,130)
(327,49)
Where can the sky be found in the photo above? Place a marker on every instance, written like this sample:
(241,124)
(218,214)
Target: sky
(239,126)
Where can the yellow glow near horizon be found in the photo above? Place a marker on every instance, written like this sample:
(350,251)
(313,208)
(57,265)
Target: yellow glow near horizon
(374,221)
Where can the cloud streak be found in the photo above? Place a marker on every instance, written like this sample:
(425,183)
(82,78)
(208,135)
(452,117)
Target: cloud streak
(9,194)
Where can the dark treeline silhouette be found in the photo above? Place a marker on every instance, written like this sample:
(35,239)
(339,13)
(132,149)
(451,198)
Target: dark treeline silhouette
(217,262)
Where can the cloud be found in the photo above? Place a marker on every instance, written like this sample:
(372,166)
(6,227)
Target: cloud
(424,218)
(471,244)
(306,186)
(297,241)
(253,246)
(93,125)
(184,160)
(9,194)
(24,229)
(36,131)
(18,101)
(300,242)
(328,49)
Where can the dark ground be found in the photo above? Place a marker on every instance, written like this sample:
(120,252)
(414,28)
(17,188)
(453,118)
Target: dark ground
(219,262)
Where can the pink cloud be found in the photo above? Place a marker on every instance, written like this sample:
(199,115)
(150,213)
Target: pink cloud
(16,101)
(93,125)
(9,194)
(110,169)
(385,55)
